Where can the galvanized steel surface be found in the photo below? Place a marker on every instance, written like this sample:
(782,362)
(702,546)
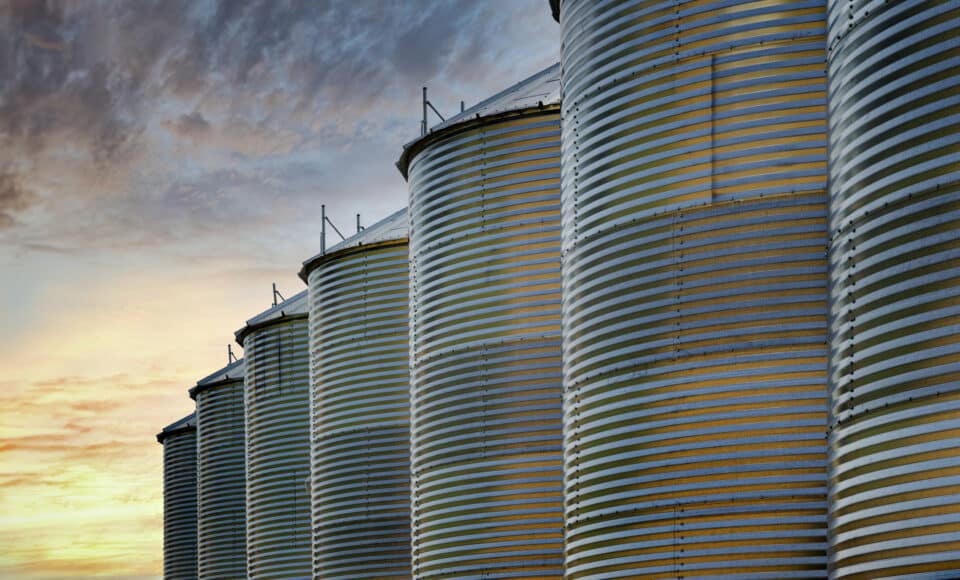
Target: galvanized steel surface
(393,227)
(294,305)
(179,441)
(895,267)
(277,406)
(221,487)
(538,92)
(485,348)
(360,460)
(695,288)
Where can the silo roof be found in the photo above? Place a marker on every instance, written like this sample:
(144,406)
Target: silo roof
(295,306)
(394,227)
(186,424)
(232,372)
(555,9)
(541,90)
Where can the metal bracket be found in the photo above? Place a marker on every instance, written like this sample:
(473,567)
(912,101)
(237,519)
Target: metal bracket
(426,104)
(277,293)
(324,220)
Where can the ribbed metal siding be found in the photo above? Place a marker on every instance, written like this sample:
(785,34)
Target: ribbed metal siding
(895,368)
(485,332)
(361,414)
(222,543)
(180,505)
(277,406)
(695,289)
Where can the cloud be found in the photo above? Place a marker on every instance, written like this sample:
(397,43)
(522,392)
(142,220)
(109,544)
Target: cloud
(190,126)
(28,479)
(235,138)
(109,62)
(45,443)
(14,198)
(135,101)
(55,89)
(97,406)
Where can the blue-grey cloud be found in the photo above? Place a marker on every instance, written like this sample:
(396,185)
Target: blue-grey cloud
(192,125)
(57,87)
(163,117)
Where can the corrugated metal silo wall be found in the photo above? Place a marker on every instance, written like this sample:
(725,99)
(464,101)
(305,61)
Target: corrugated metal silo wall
(485,351)
(180,505)
(361,413)
(221,501)
(695,288)
(277,404)
(895,268)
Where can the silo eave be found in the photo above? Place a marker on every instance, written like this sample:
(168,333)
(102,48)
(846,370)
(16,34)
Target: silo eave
(188,423)
(294,307)
(231,373)
(540,92)
(392,229)
(555,9)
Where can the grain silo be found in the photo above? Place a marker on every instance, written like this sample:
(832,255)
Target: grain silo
(277,408)
(221,484)
(894,71)
(179,441)
(485,338)
(360,397)
(695,288)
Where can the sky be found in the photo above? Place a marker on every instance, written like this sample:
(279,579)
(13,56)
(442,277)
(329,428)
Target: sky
(162,162)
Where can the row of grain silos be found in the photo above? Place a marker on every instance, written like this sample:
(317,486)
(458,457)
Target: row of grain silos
(449,466)
(681,306)
(239,491)
(247,514)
